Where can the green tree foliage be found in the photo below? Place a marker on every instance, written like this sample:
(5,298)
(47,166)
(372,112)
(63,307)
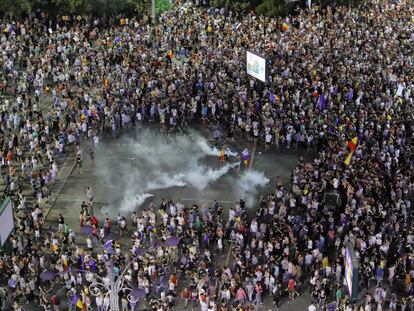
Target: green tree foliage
(67,6)
(162,5)
(272,8)
(235,4)
(140,5)
(16,7)
(130,7)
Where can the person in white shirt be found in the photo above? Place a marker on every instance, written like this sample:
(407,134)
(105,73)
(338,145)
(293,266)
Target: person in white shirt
(268,141)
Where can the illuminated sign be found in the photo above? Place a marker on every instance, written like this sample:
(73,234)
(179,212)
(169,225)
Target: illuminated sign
(351,273)
(256,65)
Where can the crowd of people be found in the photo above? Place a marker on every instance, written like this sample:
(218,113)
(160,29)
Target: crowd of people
(336,74)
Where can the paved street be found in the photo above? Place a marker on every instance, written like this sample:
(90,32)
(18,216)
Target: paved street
(108,196)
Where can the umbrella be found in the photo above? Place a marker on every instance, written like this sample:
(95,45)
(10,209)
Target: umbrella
(47,275)
(138,293)
(172,241)
(86,230)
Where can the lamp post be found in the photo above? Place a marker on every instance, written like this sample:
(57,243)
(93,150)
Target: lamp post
(153,11)
(113,286)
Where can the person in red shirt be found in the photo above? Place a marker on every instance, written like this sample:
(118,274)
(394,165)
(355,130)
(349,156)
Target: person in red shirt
(186,294)
(258,290)
(9,157)
(292,288)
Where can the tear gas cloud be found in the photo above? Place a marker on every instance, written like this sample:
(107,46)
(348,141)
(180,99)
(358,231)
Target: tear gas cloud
(249,183)
(152,162)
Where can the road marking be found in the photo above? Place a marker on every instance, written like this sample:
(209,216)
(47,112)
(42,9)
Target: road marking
(228,255)
(64,199)
(206,200)
(253,153)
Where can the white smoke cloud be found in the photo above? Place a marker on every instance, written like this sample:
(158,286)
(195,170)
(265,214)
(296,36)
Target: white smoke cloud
(202,178)
(249,183)
(212,150)
(153,162)
(130,203)
(164,181)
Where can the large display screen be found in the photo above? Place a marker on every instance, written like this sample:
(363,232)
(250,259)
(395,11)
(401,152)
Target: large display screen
(6,221)
(256,65)
(348,270)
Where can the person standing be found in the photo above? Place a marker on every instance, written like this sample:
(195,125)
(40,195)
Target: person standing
(79,161)
(107,224)
(222,155)
(89,195)
(292,288)
(185,295)
(61,222)
(258,298)
(100,302)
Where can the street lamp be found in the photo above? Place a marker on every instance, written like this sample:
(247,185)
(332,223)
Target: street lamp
(113,287)
(153,11)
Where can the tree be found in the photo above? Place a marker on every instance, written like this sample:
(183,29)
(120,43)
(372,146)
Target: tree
(238,4)
(16,7)
(162,5)
(69,6)
(272,8)
(140,6)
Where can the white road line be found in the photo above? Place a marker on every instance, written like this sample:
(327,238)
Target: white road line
(70,200)
(206,200)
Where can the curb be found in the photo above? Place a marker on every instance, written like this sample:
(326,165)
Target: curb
(60,189)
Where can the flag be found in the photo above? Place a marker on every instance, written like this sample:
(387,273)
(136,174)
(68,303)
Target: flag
(353,143)
(93,265)
(272,97)
(322,102)
(77,302)
(82,258)
(348,158)
(350,94)
(108,246)
(12,283)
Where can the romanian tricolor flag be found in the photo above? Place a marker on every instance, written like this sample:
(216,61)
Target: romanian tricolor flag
(353,143)
(77,302)
(348,158)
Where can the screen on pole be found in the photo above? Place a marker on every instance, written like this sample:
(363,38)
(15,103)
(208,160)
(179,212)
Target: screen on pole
(256,65)
(348,270)
(6,220)
(351,273)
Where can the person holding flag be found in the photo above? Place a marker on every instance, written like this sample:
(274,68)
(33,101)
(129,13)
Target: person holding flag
(222,155)
(77,302)
(244,160)
(352,145)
